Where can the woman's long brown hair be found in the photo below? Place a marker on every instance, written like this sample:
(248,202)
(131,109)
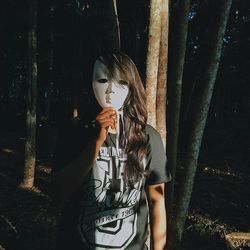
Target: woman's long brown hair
(121,68)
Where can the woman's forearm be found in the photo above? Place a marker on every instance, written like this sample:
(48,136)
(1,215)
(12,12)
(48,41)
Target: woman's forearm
(158,225)
(70,178)
(158,216)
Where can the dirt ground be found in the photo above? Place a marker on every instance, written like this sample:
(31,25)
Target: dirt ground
(28,218)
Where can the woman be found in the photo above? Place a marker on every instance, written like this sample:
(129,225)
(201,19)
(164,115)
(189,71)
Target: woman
(112,175)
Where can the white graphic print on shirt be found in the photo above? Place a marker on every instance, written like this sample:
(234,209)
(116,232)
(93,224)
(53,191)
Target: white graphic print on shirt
(109,207)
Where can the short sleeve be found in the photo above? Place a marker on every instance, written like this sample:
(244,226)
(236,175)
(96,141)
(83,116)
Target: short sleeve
(157,159)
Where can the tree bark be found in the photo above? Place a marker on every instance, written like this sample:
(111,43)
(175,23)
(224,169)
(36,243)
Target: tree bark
(162,74)
(153,59)
(198,124)
(30,144)
(176,77)
(202,18)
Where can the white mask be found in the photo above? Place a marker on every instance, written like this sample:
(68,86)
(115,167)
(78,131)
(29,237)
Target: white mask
(108,92)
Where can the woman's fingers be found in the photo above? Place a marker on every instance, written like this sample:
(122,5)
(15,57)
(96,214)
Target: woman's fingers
(103,123)
(107,110)
(101,119)
(106,113)
(108,124)
(106,118)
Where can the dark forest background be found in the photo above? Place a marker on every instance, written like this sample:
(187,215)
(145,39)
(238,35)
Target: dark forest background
(69,37)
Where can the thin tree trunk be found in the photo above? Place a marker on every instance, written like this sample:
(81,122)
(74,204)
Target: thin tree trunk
(108,26)
(204,17)
(162,74)
(153,59)
(156,69)
(180,40)
(30,144)
(117,23)
(198,124)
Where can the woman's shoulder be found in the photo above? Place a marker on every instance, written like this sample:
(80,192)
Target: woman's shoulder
(151,131)
(154,138)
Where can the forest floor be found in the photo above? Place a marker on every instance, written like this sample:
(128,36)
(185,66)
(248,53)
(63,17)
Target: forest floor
(28,218)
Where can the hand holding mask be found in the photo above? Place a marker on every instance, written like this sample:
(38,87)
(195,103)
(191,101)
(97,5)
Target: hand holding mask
(108,92)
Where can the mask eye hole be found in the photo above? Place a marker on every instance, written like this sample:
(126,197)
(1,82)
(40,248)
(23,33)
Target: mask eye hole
(102,80)
(122,82)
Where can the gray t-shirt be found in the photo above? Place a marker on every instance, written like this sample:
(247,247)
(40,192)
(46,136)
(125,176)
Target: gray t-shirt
(105,213)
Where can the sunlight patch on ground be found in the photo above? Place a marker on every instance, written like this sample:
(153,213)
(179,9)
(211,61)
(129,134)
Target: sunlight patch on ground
(34,190)
(1,248)
(205,224)
(9,151)
(43,169)
(210,170)
(238,240)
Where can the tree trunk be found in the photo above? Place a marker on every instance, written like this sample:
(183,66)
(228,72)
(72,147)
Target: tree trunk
(197,68)
(162,74)
(198,124)
(30,144)
(117,23)
(107,29)
(176,76)
(153,59)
